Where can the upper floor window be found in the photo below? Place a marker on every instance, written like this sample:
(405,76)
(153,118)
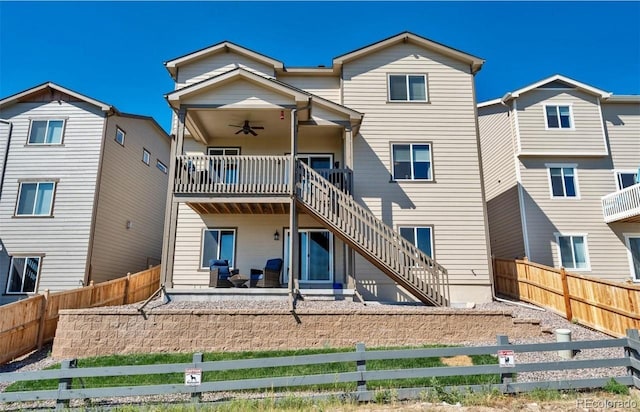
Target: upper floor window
(162,167)
(573,251)
(120,134)
(46,132)
(626,179)
(217,244)
(412,161)
(563,181)
(558,117)
(407,87)
(146,156)
(35,199)
(420,237)
(23,274)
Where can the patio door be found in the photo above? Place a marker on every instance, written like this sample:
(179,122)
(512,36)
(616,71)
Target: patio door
(316,256)
(633,246)
(224,170)
(317,161)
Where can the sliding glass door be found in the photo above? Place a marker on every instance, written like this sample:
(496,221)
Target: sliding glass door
(316,255)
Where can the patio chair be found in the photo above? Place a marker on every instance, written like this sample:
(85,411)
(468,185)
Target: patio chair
(219,273)
(269,277)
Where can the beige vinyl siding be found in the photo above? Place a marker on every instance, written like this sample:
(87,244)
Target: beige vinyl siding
(64,238)
(254,243)
(219,63)
(505,225)
(453,202)
(586,137)
(130,191)
(240,93)
(545,216)
(324,86)
(622,122)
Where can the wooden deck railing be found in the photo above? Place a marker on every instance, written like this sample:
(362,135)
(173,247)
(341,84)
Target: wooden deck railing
(610,307)
(622,204)
(27,324)
(399,258)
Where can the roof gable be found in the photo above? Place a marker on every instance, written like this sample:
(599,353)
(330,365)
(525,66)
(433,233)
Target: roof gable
(557,81)
(38,93)
(225,46)
(475,62)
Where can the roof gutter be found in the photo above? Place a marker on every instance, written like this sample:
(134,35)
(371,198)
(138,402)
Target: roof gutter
(6,154)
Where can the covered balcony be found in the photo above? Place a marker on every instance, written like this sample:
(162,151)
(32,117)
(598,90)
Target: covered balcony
(623,205)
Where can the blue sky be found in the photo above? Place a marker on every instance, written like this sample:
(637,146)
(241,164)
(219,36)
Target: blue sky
(113,51)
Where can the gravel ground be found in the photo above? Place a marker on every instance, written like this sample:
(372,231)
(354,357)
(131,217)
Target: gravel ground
(549,322)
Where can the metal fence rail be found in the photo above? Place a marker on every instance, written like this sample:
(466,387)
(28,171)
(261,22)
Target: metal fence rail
(360,375)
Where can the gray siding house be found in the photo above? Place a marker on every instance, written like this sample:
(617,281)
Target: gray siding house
(372,164)
(561,163)
(82,191)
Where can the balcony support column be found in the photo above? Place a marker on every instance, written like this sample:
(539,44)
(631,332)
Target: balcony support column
(349,253)
(294,239)
(171,208)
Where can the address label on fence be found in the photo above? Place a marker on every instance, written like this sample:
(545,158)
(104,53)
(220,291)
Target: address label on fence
(506,358)
(192,377)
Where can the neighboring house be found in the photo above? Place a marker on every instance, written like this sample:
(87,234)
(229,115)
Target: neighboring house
(561,165)
(387,171)
(82,191)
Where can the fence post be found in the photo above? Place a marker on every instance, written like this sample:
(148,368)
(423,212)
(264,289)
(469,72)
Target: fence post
(632,353)
(361,366)
(565,293)
(64,384)
(125,298)
(197,360)
(43,318)
(505,378)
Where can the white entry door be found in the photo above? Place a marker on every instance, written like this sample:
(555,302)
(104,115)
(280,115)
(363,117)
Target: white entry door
(316,256)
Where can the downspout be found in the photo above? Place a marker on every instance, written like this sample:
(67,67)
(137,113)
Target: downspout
(6,154)
(293,221)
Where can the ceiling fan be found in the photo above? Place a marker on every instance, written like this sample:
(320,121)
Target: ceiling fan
(246,128)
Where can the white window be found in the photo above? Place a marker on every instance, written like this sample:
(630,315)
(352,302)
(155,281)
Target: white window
(558,117)
(633,250)
(162,167)
(407,87)
(35,198)
(411,161)
(563,180)
(420,237)
(217,244)
(223,151)
(120,134)
(572,250)
(23,274)
(146,156)
(625,179)
(46,132)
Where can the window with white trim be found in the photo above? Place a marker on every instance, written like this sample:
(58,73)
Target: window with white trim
(411,161)
(407,87)
(35,198)
(217,244)
(46,132)
(146,156)
(558,116)
(23,274)
(563,182)
(120,134)
(572,250)
(421,237)
(162,166)
(626,179)
(633,248)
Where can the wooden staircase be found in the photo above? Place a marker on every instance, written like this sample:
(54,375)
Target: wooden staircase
(370,237)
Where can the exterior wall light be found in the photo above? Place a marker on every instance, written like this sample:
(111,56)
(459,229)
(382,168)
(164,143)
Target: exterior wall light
(276,236)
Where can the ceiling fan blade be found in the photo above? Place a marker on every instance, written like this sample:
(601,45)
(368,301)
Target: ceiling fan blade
(239,131)
(234,125)
(252,132)
(257,127)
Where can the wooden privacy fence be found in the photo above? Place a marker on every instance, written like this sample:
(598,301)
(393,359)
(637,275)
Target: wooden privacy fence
(200,376)
(610,307)
(27,324)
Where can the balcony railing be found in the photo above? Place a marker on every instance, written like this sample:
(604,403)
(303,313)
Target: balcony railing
(243,175)
(622,204)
